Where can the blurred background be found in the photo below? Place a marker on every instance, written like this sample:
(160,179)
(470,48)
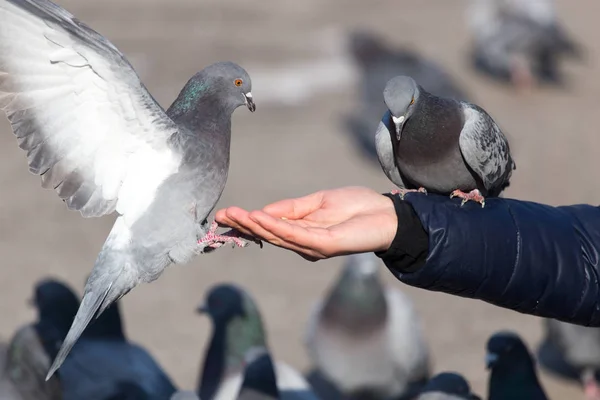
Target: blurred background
(304,83)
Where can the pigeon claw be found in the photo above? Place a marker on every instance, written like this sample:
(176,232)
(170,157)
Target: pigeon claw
(474,195)
(213,240)
(402,192)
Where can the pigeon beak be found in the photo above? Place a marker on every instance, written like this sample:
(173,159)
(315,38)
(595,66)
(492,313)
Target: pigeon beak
(249,102)
(202,309)
(490,360)
(398,121)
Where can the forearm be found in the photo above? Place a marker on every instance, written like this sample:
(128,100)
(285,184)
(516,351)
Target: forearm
(528,257)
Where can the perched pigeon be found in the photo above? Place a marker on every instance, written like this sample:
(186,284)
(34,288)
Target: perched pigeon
(572,352)
(513,375)
(260,382)
(366,340)
(103,364)
(441,145)
(238,328)
(24,363)
(95,134)
(447,386)
(378,62)
(519,41)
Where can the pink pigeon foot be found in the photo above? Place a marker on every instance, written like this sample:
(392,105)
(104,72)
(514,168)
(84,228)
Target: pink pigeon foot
(402,192)
(521,76)
(214,241)
(473,195)
(591,388)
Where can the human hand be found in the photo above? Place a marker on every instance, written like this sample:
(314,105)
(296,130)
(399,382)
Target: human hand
(321,225)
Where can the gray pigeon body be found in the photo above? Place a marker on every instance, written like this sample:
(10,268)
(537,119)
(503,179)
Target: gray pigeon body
(512,37)
(96,136)
(24,364)
(447,386)
(238,330)
(185,395)
(378,62)
(440,144)
(571,352)
(367,340)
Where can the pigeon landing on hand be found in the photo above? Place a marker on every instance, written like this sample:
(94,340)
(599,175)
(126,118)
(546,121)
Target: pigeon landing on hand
(96,136)
(378,62)
(428,143)
(238,328)
(366,340)
(447,386)
(513,375)
(572,352)
(519,41)
(114,367)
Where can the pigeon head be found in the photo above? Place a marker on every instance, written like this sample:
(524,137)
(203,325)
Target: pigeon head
(223,303)
(449,383)
(259,374)
(357,300)
(219,88)
(57,306)
(401,95)
(513,374)
(366,47)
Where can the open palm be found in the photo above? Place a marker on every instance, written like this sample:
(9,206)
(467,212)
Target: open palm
(324,224)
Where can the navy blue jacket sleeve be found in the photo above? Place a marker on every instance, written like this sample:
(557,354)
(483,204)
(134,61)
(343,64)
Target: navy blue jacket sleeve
(529,257)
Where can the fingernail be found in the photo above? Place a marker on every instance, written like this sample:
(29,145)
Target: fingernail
(284,218)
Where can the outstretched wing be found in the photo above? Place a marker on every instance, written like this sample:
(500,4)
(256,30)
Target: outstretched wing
(89,126)
(485,148)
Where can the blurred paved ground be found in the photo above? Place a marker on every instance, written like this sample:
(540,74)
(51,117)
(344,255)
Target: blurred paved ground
(291,147)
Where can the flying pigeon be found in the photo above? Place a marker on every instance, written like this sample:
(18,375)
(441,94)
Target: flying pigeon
(238,329)
(113,367)
(427,143)
(447,386)
(572,352)
(365,339)
(519,41)
(513,375)
(95,135)
(378,62)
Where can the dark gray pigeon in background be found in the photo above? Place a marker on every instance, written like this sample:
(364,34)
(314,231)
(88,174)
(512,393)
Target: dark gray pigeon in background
(103,364)
(238,329)
(377,63)
(519,41)
(260,382)
(365,340)
(429,143)
(447,386)
(185,395)
(573,353)
(512,370)
(96,136)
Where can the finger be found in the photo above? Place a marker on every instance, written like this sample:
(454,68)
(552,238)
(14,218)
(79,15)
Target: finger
(295,208)
(313,239)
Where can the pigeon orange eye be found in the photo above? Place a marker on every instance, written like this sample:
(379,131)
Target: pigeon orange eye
(412,101)
(238,82)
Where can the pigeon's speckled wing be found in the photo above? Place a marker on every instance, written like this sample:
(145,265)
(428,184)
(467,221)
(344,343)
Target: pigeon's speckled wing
(89,126)
(485,148)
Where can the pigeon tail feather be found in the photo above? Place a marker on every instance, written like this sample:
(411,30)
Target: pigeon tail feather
(100,293)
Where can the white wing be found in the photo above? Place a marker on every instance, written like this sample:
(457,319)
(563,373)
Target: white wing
(76,105)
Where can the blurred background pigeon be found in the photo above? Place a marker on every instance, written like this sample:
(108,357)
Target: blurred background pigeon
(572,352)
(103,363)
(512,370)
(447,386)
(24,364)
(259,381)
(237,329)
(366,340)
(378,62)
(519,41)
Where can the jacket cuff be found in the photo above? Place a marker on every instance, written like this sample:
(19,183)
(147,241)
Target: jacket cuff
(408,251)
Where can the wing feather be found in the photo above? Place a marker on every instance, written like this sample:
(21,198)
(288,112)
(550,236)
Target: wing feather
(77,107)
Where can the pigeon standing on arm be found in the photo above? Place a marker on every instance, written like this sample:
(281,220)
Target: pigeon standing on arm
(96,135)
(428,143)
